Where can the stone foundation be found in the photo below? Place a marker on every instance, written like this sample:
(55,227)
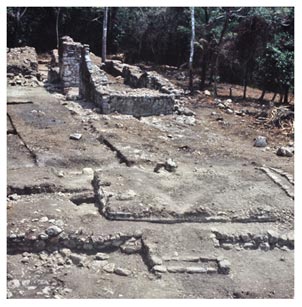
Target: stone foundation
(94,86)
(137,78)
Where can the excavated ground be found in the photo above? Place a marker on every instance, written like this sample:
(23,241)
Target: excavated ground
(90,218)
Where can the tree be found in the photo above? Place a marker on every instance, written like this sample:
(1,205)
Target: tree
(252,35)
(104,39)
(17,13)
(57,25)
(191,50)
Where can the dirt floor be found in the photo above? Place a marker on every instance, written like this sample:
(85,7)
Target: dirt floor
(171,206)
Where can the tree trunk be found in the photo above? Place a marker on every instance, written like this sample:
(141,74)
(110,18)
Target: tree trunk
(262,95)
(191,50)
(245,81)
(18,17)
(286,89)
(57,27)
(203,74)
(215,70)
(281,98)
(104,39)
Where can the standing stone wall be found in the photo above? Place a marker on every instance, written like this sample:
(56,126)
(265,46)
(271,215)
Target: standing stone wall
(69,62)
(92,78)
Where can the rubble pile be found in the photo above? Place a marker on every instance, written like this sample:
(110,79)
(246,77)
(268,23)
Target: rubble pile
(22,67)
(27,80)
(23,60)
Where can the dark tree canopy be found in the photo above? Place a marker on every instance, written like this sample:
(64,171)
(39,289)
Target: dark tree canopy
(249,45)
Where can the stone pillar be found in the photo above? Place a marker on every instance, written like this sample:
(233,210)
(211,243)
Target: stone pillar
(69,62)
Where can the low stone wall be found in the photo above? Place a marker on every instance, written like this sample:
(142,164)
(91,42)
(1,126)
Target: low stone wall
(137,78)
(92,79)
(264,241)
(69,62)
(24,242)
(137,102)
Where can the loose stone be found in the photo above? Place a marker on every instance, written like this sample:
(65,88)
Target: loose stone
(227,246)
(65,252)
(264,246)
(224,266)
(155,260)
(285,152)
(43,219)
(53,231)
(75,136)
(176,269)
(193,270)
(77,259)
(159,269)
(101,256)
(87,171)
(25,260)
(260,141)
(109,268)
(122,272)
(13,284)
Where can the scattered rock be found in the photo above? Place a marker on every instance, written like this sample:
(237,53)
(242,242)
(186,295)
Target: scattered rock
(43,219)
(245,237)
(176,269)
(14,197)
(285,248)
(185,111)
(75,136)
(260,141)
(207,93)
(53,231)
(159,269)
(13,284)
(43,236)
(155,260)
(224,266)
(249,245)
(227,246)
(87,171)
(264,246)
(65,252)
(131,247)
(25,260)
(101,256)
(170,165)
(273,236)
(25,283)
(285,152)
(122,272)
(193,270)
(77,259)
(129,195)
(211,270)
(109,268)
(9,276)
(229,111)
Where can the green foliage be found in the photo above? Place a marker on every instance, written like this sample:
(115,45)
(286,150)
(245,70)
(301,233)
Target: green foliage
(258,38)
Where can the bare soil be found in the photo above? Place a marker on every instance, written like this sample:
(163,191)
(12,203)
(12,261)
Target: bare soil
(218,185)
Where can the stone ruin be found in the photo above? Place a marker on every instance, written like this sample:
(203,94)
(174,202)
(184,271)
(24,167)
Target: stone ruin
(114,86)
(69,62)
(22,67)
